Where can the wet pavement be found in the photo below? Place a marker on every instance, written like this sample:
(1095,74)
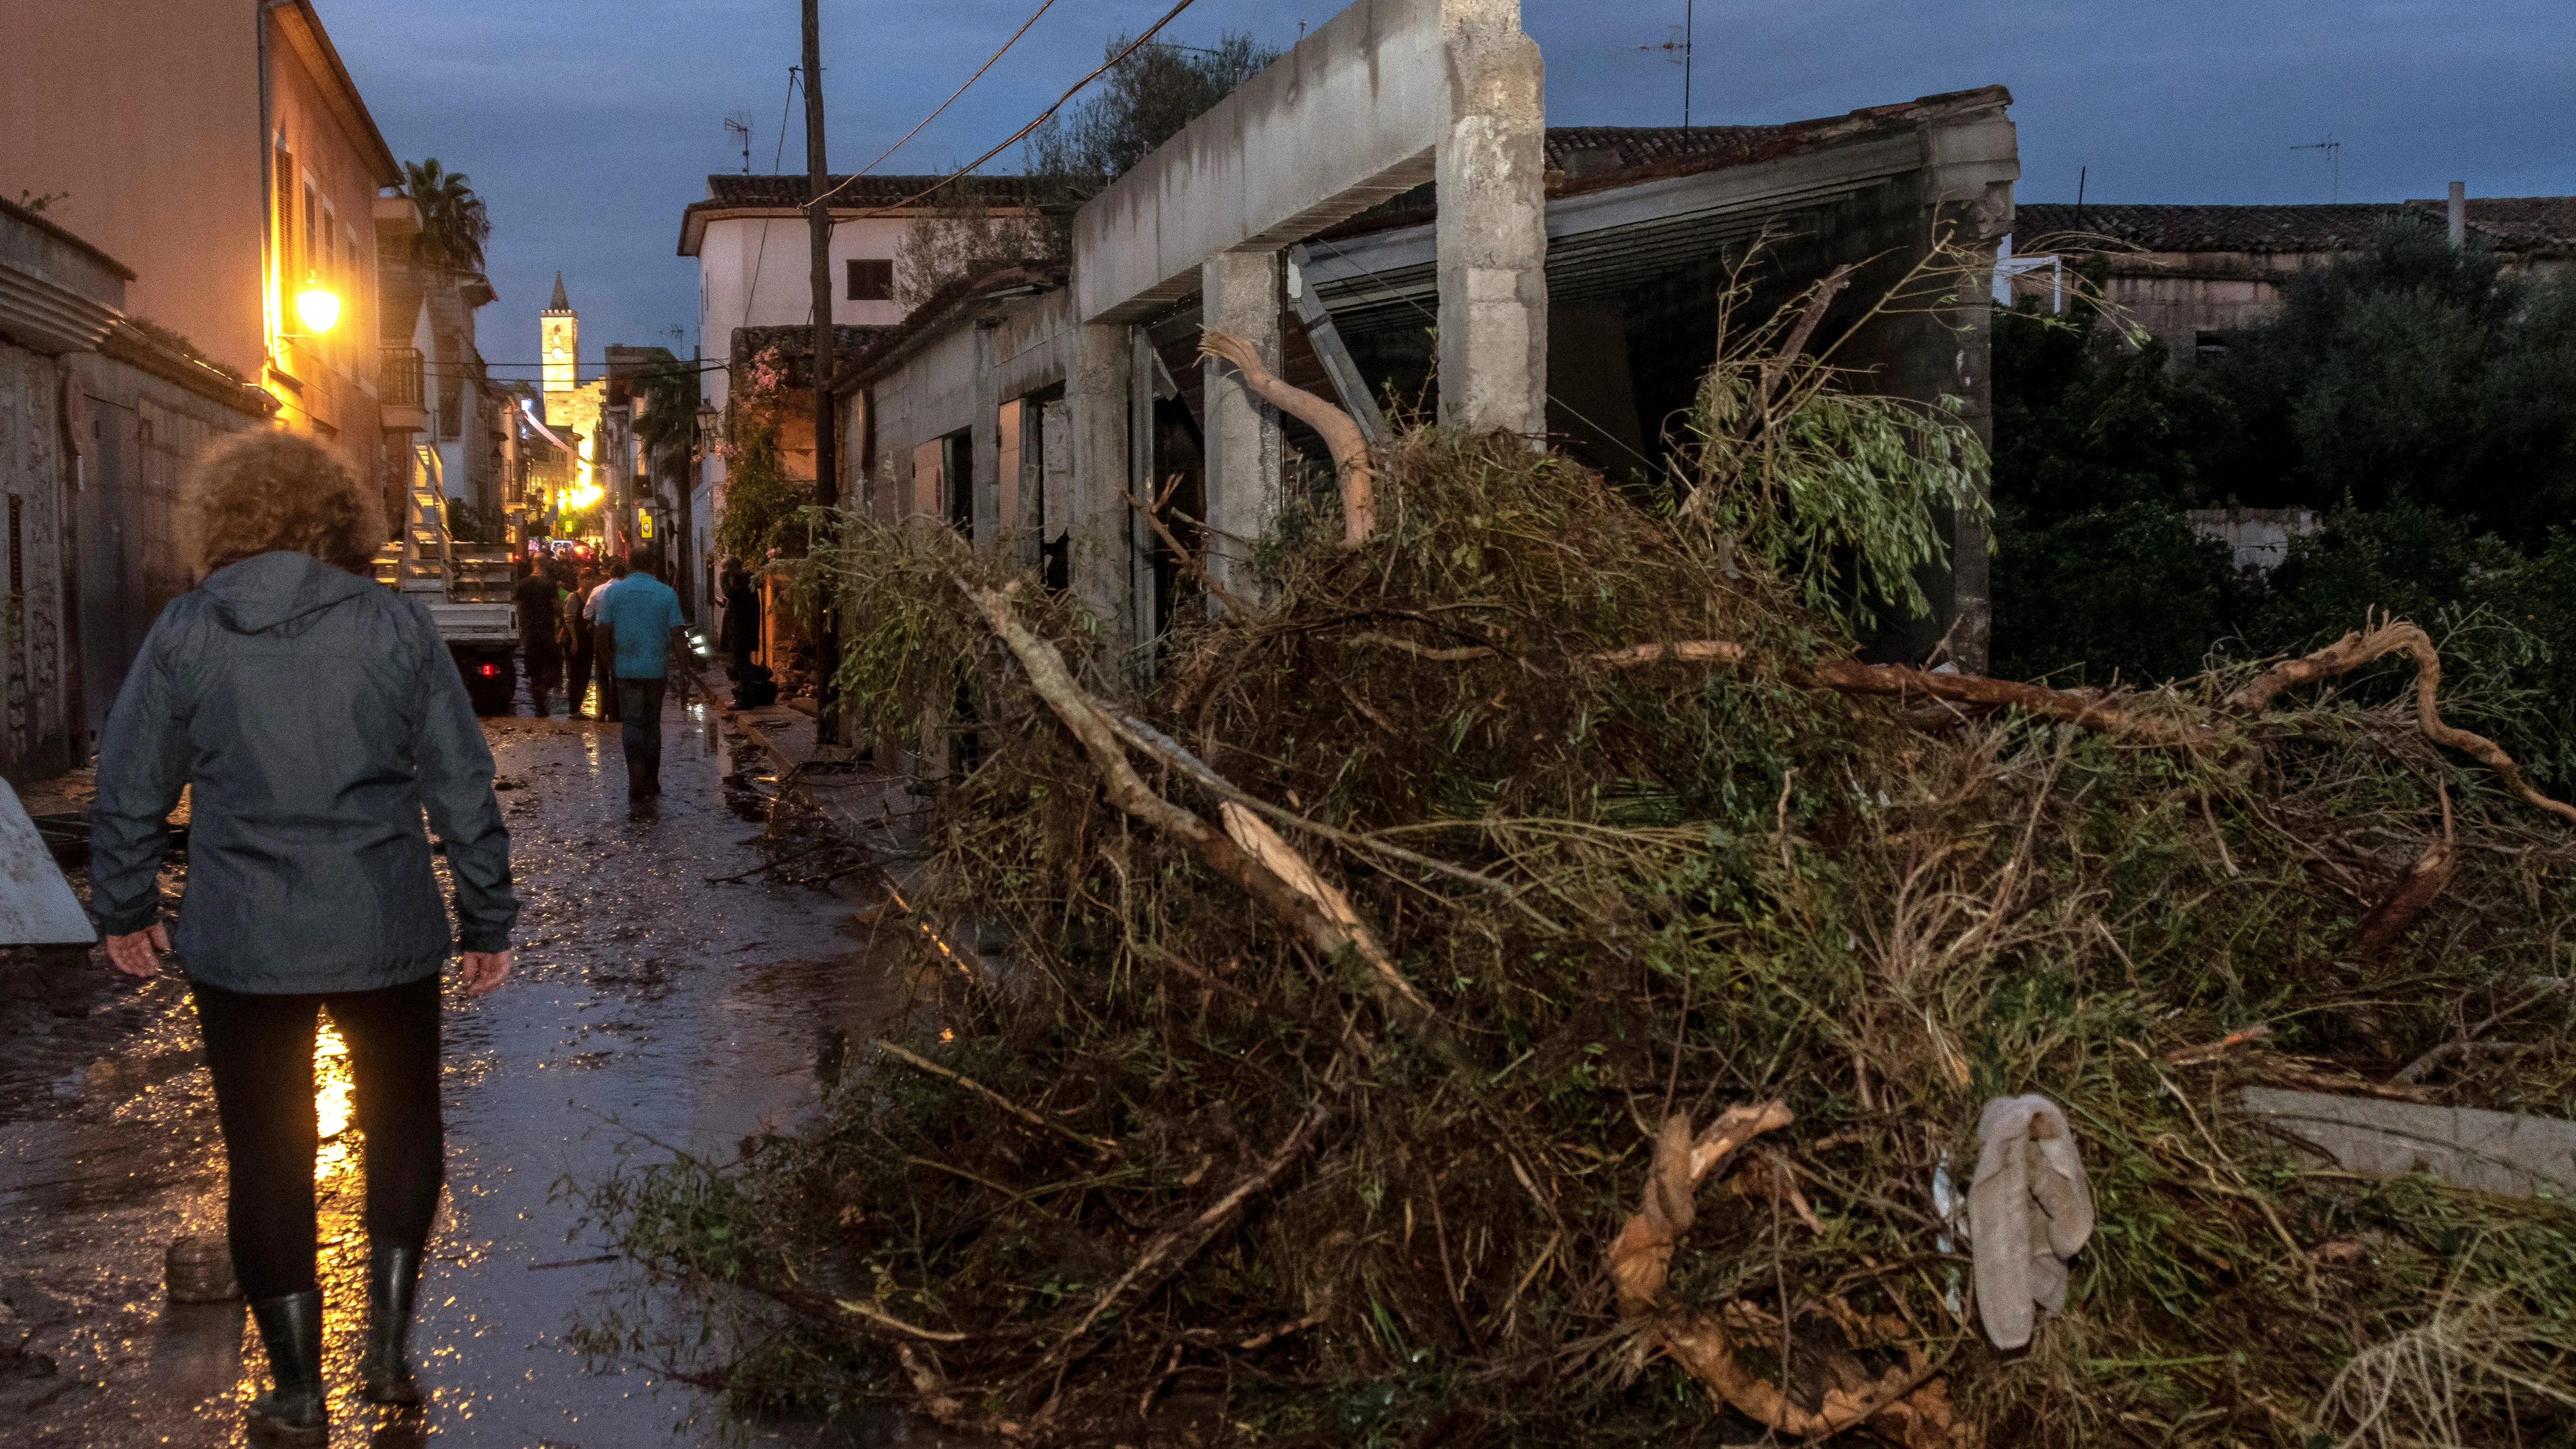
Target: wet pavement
(650,1010)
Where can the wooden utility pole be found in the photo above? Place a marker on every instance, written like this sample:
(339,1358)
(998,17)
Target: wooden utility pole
(827,463)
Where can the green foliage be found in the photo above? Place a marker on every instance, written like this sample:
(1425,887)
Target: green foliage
(761,500)
(2085,421)
(2097,447)
(2411,372)
(2127,591)
(454,223)
(1841,495)
(2408,561)
(1148,98)
(668,389)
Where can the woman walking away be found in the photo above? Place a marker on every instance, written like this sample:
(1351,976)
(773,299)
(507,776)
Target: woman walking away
(313,716)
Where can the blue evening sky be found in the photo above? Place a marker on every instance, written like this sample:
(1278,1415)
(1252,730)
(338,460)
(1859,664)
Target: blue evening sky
(587,124)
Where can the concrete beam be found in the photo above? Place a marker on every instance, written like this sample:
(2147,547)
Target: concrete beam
(1240,294)
(1347,118)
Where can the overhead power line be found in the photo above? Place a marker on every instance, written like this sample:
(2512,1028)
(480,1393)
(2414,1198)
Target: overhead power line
(989,63)
(1013,139)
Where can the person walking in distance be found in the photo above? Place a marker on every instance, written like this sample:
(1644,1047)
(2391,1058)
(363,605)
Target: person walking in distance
(642,616)
(313,716)
(577,642)
(603,649)
(535,597)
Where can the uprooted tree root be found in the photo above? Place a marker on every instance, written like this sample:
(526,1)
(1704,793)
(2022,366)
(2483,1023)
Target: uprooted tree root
(1369,966)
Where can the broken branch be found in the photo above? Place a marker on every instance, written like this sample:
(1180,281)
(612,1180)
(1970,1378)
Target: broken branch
(2411,893)
(1096,1144)
(2356,649)
(1340,433)
(1091,726)
(1171,1249)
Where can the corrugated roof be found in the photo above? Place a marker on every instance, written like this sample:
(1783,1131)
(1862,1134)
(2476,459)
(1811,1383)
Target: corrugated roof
(2544,225)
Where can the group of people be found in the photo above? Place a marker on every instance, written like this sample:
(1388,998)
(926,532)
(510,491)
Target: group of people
(616,630)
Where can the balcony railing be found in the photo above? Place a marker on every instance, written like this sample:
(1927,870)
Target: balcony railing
(398,385)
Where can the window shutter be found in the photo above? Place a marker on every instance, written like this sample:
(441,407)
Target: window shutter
(282,236)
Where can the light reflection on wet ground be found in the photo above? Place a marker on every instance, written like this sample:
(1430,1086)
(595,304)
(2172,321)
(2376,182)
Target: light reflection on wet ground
(649,1007)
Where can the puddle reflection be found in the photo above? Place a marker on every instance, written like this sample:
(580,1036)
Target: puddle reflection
(332,1086)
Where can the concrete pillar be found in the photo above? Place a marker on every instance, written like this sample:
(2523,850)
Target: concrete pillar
(1245,448)
(983,440)
(1096,401)
(1491,162)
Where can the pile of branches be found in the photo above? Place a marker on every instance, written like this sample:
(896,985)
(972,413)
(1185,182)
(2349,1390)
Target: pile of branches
(1523,979)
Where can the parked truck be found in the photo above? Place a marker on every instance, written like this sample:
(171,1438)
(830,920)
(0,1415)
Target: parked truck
(467,588)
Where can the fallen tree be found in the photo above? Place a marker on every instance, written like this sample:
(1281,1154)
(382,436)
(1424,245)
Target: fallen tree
(1372,959)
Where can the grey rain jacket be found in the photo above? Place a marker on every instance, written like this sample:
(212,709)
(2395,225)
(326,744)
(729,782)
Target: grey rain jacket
(315,714)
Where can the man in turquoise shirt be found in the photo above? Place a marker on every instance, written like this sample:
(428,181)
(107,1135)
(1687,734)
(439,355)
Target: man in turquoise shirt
(643,616)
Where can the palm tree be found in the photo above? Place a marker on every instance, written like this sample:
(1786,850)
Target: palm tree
(453,223)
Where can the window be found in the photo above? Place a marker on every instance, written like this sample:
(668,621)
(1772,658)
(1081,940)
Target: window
(871,279)
(2208,346)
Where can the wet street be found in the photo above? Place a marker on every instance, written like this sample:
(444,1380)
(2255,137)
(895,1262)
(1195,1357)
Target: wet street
(651,1009)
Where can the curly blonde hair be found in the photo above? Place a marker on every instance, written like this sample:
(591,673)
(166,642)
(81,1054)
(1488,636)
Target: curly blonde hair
(268,492)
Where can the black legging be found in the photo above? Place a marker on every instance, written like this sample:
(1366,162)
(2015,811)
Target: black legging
(260,1051)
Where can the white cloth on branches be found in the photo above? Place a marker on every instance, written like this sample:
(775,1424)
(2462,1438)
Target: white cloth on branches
(2029,1210)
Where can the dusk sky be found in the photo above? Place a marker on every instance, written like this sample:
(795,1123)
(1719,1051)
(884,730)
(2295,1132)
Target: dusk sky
(588,125)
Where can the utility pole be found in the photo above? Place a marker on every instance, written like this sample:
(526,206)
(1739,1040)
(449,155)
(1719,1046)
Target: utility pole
(827,463)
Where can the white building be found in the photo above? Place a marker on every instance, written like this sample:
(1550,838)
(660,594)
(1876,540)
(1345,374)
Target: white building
(755,271)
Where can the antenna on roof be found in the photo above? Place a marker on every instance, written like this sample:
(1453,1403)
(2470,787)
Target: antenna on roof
(1680,49)
(2334,163)
(738,123)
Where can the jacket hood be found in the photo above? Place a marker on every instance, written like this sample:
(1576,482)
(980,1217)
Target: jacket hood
(267,590)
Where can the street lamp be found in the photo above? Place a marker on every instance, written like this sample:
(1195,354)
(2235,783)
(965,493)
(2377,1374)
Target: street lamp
(317,307)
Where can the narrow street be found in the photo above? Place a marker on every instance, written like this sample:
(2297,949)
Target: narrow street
(651,1009)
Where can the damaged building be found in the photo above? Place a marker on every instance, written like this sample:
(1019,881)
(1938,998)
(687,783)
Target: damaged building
(1413,248)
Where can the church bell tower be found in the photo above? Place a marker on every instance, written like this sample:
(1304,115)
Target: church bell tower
(559,336)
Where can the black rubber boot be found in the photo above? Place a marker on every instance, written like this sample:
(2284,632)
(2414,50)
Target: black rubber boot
(290,1413)
(384,1374)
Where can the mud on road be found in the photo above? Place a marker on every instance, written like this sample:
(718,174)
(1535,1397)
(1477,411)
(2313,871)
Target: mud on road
(652,1009)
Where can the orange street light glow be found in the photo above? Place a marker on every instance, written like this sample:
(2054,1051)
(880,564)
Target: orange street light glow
(318,308)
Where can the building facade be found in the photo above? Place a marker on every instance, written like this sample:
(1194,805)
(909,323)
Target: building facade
(2190,275)
(220,149)
(750,238)
(100,414)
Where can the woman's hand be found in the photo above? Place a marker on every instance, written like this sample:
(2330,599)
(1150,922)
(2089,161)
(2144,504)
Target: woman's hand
(483,970)
(138,953)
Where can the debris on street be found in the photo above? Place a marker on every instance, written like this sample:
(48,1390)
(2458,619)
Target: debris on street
(1369,959)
